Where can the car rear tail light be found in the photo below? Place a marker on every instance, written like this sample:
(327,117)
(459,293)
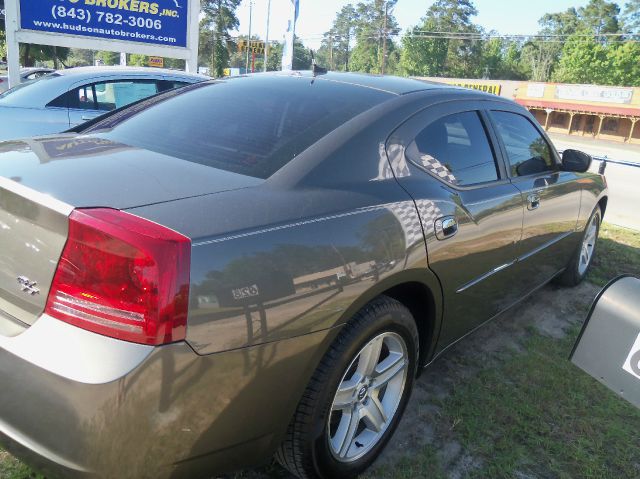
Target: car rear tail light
(122,276)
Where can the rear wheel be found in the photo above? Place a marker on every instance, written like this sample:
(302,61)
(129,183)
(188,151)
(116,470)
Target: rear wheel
(583,257)
(356,396)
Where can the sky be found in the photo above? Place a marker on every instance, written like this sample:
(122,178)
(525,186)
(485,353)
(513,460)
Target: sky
(316,16)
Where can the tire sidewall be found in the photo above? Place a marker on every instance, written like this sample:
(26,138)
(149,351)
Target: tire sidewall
(395,320)
(576,271)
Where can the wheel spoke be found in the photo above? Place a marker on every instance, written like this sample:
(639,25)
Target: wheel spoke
(393,365)
(373,415)
(346,431)
(344,395)
(369,357)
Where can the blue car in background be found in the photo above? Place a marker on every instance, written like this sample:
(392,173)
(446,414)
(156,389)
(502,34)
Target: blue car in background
(66,98)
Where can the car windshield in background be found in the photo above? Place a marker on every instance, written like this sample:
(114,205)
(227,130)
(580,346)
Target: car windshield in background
(247,125)
(18,92)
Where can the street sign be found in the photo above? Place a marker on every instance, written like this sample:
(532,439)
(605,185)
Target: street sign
(167,28)
(157,62)
(2,12)
(254,46)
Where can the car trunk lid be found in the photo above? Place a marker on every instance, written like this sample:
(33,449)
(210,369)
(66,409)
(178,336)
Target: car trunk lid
(90,171)
(33,231)
(43,180)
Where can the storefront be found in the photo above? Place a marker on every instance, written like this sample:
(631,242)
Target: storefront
(608,113)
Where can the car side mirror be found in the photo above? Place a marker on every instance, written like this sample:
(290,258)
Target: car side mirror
(532,166)
(574,160)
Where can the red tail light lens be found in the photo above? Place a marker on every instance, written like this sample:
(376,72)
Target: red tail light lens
(122,276)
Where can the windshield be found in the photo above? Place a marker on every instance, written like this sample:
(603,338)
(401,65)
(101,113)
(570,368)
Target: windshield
(247,125)
(21,92)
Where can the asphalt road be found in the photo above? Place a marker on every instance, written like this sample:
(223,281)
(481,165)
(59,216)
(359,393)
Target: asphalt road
(623,208)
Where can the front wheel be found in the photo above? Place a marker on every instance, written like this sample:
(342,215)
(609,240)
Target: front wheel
(356,396)
(583,257)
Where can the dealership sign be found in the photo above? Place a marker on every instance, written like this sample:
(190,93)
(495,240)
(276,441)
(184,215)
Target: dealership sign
(164,22)
(161,28)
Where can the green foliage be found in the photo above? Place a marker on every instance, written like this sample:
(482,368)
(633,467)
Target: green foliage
(336,47)
(31,53)
(373,24)
(631,16)
(600,16)
(108,58)
(215,42)
(427,52)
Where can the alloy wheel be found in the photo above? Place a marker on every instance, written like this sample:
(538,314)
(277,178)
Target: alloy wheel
(588,245)
(368,396)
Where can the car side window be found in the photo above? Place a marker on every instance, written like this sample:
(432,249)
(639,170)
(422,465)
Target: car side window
(456,149)
(116,94)
(164,85)
(528,152)
(106,96)
(86,98)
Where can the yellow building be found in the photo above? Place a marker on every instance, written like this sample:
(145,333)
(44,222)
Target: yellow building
(609,113)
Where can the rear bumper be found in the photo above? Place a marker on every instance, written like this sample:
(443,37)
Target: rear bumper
(105,408)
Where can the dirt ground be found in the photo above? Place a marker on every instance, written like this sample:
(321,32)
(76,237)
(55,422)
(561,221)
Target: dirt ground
(551,311)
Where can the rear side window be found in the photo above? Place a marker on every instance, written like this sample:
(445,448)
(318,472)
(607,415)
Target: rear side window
(456,149)
(527,150)
(106,96)
(164,85)
(247,125)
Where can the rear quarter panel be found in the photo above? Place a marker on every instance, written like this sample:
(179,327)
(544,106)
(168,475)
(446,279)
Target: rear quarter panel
(594,188)
(287,277)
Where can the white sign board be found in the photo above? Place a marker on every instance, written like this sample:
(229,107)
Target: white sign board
(535,90)
(594,93)
(167,28)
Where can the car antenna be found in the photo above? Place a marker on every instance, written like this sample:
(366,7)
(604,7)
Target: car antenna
(315,68)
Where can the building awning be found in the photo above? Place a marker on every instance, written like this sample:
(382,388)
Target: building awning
(579,108)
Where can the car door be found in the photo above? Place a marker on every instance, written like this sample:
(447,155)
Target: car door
(471,213)
(551,196)
(91,99)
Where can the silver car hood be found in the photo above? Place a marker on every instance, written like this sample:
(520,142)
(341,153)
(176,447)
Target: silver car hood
(88,171)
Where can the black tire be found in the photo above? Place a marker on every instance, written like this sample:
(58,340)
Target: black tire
(572,276)
(305,451)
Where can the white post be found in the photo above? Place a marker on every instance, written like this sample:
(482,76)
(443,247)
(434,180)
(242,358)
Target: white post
(191,63)
(13,49)
(123,59)
(246,70)
(266,41)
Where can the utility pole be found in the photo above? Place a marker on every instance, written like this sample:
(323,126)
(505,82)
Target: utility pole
(331,49)
(384,38)
(249,40)
(266,41)
(346,60)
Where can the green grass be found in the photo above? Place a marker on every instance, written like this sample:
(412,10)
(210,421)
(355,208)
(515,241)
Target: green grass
(11,468)
(618,252)
(530,414)
(539,415)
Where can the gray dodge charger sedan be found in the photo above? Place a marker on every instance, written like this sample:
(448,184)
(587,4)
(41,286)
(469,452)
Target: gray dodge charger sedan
(262,265)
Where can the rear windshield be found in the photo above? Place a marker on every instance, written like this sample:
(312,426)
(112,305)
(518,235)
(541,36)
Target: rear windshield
(247,125)
(25,90)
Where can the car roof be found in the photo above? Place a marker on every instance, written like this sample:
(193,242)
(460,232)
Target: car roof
(35,69)
(390,84)
(78,72)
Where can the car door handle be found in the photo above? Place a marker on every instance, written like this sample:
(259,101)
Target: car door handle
(446,227)
(533,201)
(88,117)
